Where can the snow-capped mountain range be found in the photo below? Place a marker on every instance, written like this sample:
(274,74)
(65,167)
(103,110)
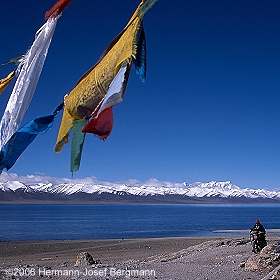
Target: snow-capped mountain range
(211,192)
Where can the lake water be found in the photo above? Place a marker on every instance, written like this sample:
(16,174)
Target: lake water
(65,222)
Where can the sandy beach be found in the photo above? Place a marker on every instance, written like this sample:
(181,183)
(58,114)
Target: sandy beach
(154,258)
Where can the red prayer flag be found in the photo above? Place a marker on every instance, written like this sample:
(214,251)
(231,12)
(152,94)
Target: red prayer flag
(102,125)
(57,8)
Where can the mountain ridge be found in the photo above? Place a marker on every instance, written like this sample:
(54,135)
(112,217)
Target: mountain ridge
(151,192)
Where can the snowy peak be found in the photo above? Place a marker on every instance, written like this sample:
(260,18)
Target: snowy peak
(213,188)
(216,185)
(12,186)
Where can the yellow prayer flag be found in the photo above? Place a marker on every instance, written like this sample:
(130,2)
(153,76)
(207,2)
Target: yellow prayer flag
(5,81)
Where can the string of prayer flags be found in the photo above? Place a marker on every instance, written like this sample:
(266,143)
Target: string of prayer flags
(24,88)
(29,71)
(128,47)
(101,122)
(23,137)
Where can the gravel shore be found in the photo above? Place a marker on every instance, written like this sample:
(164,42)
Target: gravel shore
(156,258)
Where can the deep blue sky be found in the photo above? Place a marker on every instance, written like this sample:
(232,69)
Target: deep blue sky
(210,107)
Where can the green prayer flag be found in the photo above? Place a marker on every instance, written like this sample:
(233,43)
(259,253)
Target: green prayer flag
(77,144)
(16,60)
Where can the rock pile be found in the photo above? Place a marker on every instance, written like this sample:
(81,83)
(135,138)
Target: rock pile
(267,260)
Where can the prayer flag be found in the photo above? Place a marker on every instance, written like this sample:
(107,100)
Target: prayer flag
(23,137)
(15,60)
(140,60)
(77,144)
(58,7)
(6,81)
(101,125)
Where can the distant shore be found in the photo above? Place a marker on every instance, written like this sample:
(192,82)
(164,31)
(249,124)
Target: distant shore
(203,201)
(243,231)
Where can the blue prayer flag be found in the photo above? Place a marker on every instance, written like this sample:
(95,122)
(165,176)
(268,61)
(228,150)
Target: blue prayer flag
(23,137)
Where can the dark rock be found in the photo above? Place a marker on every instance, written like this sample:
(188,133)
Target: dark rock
(221,244)
(84,259)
